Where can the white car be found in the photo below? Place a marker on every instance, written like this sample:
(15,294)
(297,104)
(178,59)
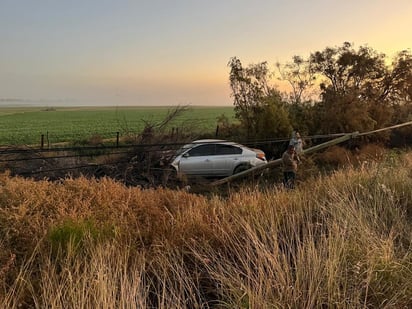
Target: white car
(216,158)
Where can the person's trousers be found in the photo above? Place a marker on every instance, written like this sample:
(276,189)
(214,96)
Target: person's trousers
(289,179)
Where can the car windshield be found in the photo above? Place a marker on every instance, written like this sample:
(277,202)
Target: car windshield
(183,149)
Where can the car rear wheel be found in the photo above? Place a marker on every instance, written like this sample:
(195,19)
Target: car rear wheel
(241,168)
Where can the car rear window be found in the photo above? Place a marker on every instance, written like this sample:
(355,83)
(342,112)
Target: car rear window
(203,150)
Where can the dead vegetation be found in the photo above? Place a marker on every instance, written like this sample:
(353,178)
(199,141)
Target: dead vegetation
(341,240)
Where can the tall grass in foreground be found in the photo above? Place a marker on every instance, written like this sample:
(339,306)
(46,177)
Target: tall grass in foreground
(341,241)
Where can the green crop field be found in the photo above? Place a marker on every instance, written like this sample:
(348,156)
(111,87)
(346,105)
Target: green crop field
(20,126)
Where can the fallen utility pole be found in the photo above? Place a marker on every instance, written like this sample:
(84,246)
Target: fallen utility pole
(387,128)
(277,162)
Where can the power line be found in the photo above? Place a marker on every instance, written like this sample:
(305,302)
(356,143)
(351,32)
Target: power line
(163,146)
(144,148)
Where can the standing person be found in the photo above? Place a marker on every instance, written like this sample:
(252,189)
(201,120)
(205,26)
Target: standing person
(297,141)
(290,167)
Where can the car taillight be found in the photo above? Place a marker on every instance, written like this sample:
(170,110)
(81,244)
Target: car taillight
(261,156)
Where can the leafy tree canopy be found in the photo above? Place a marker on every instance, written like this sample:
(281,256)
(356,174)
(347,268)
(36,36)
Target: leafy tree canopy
(358,91)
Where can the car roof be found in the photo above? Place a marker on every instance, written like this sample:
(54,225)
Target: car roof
(210,141)
(215,141)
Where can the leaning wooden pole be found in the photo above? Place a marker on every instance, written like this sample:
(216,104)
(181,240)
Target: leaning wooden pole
(277,162)
(387,128)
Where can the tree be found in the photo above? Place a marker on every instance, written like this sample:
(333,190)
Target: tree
(346,69)
(398,84)
(249,89)
(300,75)
(343,113)
(273,119)
(399,88)
(353,89)
(358,92)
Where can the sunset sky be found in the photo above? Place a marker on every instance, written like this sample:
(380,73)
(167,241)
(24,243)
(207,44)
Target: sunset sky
(163,52)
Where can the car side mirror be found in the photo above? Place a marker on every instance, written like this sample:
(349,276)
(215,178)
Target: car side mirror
(186,155)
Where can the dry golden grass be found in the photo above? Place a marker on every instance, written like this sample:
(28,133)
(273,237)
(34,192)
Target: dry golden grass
(341,241)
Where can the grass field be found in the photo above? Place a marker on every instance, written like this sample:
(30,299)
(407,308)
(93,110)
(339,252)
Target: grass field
(21,125)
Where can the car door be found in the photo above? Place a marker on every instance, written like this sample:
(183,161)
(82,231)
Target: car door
(226,158)
(198,160)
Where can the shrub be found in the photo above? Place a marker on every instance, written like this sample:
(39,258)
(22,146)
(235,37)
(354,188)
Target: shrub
(335,156)
(370,152)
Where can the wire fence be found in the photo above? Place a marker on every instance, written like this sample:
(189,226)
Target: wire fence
(10,154)
(26,155)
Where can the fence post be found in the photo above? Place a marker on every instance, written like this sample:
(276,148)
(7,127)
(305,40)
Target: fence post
(217,131)
(117,139)
(42,141)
